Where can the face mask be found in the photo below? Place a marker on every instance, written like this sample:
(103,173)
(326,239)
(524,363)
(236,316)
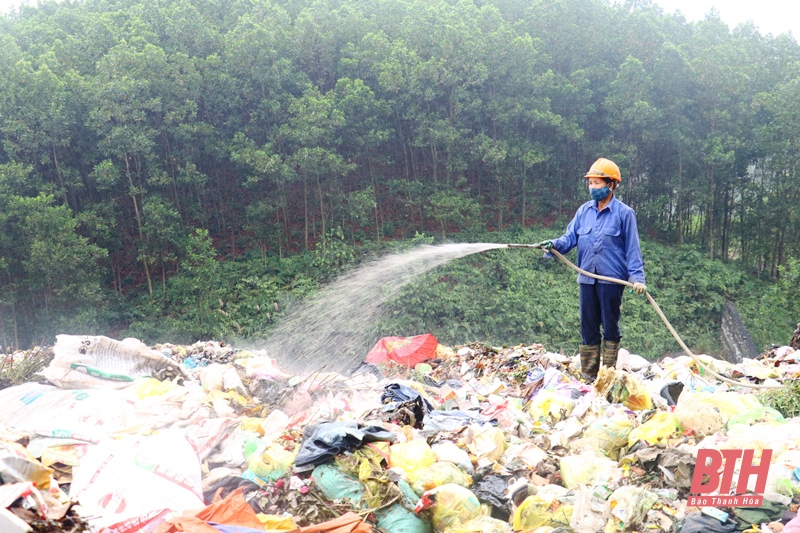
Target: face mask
(600,194)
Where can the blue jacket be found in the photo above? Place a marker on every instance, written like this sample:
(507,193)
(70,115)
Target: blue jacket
(608,242)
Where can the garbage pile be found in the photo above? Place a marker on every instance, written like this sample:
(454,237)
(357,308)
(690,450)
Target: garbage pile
(121,437)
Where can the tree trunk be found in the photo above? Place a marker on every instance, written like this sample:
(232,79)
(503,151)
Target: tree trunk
(138,223)
(377,202)
(680,194)
(305,206)
(710,216)
(524,172)
(321,208)
(58,175)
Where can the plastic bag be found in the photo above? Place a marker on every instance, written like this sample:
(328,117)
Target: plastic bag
(398,518)
(138,478)
(271,463)
(149,387)
(336,485)
(450,452)
(621,387)
(588,469)
(486,442)
(92,414)
(608,436)
(439,474)
(657,429)
(702,419)
(524,454)
(590,513)
(729,404)
(550,403)
(482,524)
(233,511)
(756,416)
(538,510)
(793,526)
(368,464)
(765,436)
(88,362)
(272,522)
(412,457)
(453,505)
(700,523)
(784,474)
(630,504)
(17,465)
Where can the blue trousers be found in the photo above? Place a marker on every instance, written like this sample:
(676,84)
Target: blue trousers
(600,305)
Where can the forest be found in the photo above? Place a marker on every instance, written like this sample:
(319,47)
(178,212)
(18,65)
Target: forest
(191,166)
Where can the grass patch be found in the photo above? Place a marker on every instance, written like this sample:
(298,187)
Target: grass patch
(21,367)
(785,400)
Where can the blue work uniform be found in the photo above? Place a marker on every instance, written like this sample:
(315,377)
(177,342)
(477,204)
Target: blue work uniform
(608,245)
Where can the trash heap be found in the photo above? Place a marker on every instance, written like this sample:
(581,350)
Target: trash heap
(121,437)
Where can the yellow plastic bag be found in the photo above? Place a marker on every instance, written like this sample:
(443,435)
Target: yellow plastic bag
(727,403)
(486,442)
(537,511)
(548,403)
(439,474)
(273,463)
(607,435)
(622,387)
(588,469)
(412,457)
(253,425)
(147,387)
(482,524)
(454,505)
(657,430)
(274,522)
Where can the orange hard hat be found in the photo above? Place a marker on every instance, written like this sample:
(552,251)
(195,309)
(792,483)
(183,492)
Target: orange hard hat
(604,168)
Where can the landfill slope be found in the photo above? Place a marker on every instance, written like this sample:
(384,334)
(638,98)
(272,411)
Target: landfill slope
(120,437)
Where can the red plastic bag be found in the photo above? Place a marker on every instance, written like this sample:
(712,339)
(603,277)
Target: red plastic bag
(403,350)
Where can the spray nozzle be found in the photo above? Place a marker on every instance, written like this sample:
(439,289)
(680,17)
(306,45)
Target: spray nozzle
(534,246)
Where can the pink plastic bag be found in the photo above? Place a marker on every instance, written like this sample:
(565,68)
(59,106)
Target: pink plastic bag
(793,526)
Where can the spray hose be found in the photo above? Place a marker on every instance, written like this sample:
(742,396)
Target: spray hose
(660,313)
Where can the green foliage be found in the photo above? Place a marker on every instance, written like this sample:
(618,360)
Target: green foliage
(125,125)
(333,253)
(774,310)
(785,400)
(453,209)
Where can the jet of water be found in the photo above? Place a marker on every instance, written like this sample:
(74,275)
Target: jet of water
(330,330)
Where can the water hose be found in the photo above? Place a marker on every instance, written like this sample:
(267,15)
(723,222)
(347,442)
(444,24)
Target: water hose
(660,313)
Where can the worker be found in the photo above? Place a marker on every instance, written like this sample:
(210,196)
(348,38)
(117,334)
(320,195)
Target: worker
(604,230)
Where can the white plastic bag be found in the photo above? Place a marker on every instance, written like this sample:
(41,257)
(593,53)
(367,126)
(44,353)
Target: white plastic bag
(95,362)
(137,479)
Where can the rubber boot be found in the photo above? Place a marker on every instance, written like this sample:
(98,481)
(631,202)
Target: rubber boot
(610,351)
(590,361)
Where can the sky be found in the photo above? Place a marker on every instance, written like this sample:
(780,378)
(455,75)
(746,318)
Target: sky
(771,16)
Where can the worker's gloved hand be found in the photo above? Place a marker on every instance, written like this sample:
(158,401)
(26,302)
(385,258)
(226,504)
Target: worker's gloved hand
(546,245)
(639,288)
